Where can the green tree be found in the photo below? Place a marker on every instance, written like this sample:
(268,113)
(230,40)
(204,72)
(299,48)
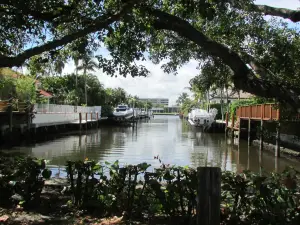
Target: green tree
(232,30)
(25,89)
(86,64)
(182,97)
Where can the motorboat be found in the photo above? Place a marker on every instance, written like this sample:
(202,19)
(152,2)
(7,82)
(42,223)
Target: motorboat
(202,118)
(143,113)
(123,112)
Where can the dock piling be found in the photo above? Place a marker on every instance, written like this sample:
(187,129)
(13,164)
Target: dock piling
(277,148)
(80,120)
(249,131)
(97,118)
(208,195)
(261,135)
(86,119)
(232,126)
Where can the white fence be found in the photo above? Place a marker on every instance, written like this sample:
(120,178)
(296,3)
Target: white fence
(53,108)
(63,114)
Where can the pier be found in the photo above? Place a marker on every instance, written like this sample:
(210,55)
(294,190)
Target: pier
(254,118)
(39,119)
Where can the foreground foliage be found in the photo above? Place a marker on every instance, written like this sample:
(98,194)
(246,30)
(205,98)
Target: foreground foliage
(170,191)
(232,31)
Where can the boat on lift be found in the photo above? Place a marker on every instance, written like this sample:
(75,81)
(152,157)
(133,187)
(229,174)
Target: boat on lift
(123,112)
(202,118)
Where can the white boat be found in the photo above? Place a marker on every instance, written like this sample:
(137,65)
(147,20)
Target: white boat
(123,112)
(143,113)
(202,118)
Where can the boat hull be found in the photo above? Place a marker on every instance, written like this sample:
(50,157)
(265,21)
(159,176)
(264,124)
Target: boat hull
(124,116)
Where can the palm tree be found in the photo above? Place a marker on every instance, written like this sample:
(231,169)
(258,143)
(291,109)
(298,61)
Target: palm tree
(76,62)
(87,64)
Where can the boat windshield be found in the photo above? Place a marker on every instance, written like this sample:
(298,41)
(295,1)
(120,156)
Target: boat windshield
(121,108)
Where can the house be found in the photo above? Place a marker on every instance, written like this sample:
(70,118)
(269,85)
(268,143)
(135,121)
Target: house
(232,96)
(38,86)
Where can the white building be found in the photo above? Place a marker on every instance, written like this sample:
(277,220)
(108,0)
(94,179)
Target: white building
(156,101)
(232,96)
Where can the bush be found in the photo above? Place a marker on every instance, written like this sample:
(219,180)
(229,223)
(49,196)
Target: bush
(218,107)
(21,180)
(106,111)
(247,198)
(7,87)
(25,89)
(169,191)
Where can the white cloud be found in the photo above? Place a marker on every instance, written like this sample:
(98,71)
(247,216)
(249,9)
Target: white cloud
(157,84)
(289,4)
(160,84)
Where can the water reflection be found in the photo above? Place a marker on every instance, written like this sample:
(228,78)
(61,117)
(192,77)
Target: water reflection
(167,136)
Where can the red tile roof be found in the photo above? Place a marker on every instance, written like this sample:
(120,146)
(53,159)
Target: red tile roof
(45,93)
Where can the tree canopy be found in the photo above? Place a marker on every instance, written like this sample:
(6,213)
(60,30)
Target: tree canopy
(263,55)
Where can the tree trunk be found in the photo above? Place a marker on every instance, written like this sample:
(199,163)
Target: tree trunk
(85,90)
(76,87)
(208,101)
(227,100)
(222,109)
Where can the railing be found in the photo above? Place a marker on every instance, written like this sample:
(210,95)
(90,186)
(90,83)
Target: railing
(53,108)
(261,111)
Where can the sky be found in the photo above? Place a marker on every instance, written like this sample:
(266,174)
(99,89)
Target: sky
(159,84)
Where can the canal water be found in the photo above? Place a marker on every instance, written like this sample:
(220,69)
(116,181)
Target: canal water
(172,139)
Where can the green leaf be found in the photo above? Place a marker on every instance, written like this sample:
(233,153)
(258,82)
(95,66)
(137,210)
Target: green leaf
(46,173)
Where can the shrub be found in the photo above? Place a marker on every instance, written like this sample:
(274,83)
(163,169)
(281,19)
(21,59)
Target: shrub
(21,180)
(247,198)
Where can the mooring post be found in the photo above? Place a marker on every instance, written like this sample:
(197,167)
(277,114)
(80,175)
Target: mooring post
(97,117)
(226,121)
(262,127)
(10,118)
(249,131)
(239,131)
(86,120)
(28,110)
(261,147)
(208,195)
(277,150)
(80,120)
(232,126)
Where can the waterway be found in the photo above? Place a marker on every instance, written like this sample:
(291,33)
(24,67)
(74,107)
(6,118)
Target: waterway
(173,140)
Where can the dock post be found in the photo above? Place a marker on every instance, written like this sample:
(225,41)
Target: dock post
(232,126)
(249,131)
(208,195)
(10,117)
(226,121)
(80,119)
(86,120)
(97,118)
(261,147)
(239,131)
(91,119)
(277,150)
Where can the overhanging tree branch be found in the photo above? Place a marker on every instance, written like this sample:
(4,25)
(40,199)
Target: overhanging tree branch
(293,15)
(99,24)
(244,79)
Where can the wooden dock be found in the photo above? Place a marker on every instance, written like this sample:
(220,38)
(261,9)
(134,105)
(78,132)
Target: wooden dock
(248,117)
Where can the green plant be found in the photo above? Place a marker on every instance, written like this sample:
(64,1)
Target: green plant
(7,87)
(25,89)
(247,198)
(22,180)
